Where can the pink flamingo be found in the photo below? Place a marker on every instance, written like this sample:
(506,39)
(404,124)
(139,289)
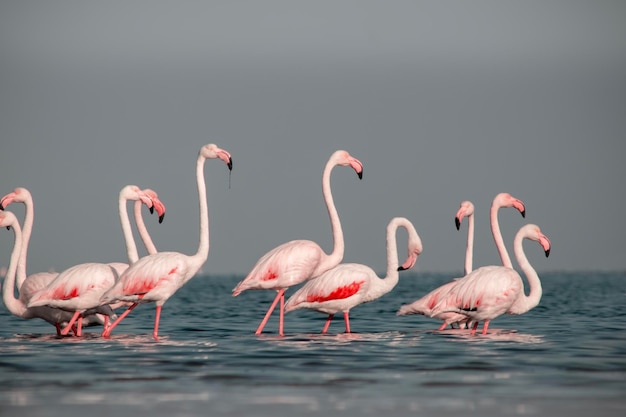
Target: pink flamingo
(425,304)
(299,260)
(491,291)
(348,285)
(78,289)
(158,276)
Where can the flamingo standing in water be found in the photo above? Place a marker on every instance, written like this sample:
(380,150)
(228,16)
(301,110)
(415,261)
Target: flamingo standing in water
(348,285)
(29,285)
(425,304)
(79,288)
(491,291)
(296,261)
(157,277)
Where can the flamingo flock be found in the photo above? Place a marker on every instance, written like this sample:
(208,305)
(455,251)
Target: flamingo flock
(88,294)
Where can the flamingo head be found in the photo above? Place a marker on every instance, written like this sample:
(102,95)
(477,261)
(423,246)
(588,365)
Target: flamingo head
(212,151)
(343,158)
(155,203)
(507,200)
(466,210)
(533,232)
(7,219)
(415,249)
(19,195)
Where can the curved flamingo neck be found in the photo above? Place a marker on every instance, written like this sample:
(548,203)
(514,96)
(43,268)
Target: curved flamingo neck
(469,250)
(131,246)
(203,247)
(29,217)
(497,237)
(141,228)
(526,302)
(336,255)
(13,304)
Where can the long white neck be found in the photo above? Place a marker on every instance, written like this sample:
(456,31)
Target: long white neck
(469,250)
(524,302)
(131,246)
(203,247)
(27,230)
(13,304)
(383,286)
(336,255)
(497,237)
(141,228)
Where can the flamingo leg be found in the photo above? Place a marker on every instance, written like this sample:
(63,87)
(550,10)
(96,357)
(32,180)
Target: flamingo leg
(107,330)
(474,327)
(79,326)
(327,325)
(443,326)
(269,312)
(282,315)
(485,327)
(58,327)
(67,328)
(157,319)
(346,318)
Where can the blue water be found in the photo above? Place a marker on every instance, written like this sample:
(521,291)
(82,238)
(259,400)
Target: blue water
(567,357)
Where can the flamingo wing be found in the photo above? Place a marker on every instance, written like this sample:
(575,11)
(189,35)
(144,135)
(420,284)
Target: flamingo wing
(284,266)
(338,289)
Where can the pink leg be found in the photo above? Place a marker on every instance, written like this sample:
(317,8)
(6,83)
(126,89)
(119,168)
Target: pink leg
(67,328)
(443,326)
(327,325)
(474,327)
(346,318)
(485,326)
(269,312)
(107,331)
(157,318)
(282,315)
(79,326)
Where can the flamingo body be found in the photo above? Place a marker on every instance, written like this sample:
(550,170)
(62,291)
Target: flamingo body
(348,285)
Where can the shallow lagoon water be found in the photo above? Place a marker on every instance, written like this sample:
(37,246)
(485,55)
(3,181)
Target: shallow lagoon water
(565,357)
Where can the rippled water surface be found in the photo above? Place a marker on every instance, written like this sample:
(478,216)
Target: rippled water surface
(565,357)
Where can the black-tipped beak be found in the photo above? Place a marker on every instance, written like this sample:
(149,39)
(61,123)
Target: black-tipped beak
(8,227)
(151,210)
(547,253)
(1,206)
(457,222)
(401,268)
(161,217)
(360,174)
(230,163)
(524,213)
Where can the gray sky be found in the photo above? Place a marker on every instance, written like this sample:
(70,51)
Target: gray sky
(441,101)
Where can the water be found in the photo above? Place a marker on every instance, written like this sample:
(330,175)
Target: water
(565,357)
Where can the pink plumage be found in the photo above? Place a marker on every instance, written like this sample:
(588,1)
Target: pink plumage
(295,262)
(348,285)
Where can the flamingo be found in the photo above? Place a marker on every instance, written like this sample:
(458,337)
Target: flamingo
(490,291)
(348,285)
(78,289)
(158,276)
(299,260)
(28,285)
(425,304)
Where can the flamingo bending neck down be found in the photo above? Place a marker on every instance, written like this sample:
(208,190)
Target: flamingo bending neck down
(297,261)
(348,285)
(158,276)
(78,289)
(491,291)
